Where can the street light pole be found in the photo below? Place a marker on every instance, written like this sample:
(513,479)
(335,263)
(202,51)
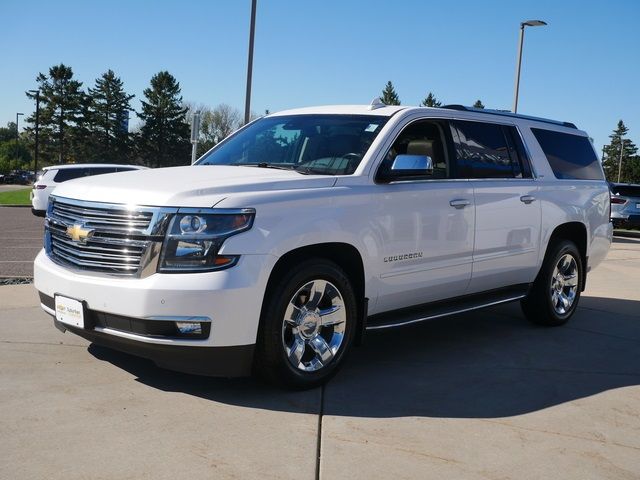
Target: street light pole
(528,23)
(17,134)
(252,29)
(195,133)
(35,156)
(620,160)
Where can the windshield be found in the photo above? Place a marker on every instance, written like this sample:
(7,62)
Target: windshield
(311,144)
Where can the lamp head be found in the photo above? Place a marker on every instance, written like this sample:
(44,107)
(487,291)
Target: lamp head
(533,23)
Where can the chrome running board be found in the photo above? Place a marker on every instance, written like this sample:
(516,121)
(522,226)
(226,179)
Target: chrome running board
(430,311)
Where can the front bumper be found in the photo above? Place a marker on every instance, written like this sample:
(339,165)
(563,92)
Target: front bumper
(231,299)
(234,361)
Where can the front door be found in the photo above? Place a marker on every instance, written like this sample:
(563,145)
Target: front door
(426,224)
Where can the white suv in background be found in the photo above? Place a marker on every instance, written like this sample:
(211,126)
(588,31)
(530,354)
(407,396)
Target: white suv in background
(54,175)
(305,228)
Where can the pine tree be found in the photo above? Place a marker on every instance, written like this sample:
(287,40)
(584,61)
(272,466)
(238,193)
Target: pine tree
(109,118)
(630,171)
(61,101)
(164,137)
(389,95)
(431,101)
(478,104)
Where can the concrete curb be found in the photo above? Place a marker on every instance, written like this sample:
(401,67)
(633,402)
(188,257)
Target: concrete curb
(16,206)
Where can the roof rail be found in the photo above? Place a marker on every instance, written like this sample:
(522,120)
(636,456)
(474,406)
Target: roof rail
(506,113)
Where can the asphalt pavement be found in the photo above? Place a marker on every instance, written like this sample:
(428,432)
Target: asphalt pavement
(20,241)
(484,395)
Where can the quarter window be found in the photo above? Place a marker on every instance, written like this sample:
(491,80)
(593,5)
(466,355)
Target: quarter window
(570,156)
(483,151)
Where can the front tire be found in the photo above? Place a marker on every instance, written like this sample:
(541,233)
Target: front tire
(308,325)
(554,296)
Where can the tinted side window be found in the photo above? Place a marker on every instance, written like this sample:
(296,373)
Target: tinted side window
(484,152)
(570,156)
(65,174)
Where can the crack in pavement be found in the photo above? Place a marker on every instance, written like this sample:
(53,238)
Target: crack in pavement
(319,439)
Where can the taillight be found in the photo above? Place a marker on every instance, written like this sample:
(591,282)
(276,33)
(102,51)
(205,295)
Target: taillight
(617,200)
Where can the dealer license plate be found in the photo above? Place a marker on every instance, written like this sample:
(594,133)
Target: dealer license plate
(69,311)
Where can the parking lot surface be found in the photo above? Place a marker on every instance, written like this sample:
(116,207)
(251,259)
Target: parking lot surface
(20,241)
(484,395)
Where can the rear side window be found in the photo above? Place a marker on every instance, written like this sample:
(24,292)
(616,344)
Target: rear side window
(65,174)
(570,156)
(486,150)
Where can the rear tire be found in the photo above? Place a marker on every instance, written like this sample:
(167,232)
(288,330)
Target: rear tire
(308,325)
(554,296)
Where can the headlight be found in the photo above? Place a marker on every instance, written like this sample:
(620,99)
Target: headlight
(195,236)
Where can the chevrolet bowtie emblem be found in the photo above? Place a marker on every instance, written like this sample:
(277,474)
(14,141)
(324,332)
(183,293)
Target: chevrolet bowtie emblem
(78,234)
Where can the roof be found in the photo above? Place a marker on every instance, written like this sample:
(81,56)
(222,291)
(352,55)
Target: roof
(446,111)
(90,165)
(386,111)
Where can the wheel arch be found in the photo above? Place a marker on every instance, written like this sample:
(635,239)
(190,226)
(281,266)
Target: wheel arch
(577,233)
(345,255)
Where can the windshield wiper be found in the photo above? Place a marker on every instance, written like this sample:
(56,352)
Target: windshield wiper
(292,168)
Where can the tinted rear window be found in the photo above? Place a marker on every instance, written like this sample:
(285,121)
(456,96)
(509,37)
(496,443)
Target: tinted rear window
(626,190)
(570,156)
(65,174)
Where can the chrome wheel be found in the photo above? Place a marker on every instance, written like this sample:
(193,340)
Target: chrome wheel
(314,324)
(564,284)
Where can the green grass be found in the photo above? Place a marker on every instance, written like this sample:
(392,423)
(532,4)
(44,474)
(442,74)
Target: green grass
(15,197)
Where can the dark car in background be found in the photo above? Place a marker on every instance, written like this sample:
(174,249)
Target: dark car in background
(625,205)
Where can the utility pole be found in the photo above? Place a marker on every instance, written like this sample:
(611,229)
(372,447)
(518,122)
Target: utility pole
(252,30)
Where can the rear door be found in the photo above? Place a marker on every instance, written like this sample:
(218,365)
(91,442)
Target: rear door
(508,213)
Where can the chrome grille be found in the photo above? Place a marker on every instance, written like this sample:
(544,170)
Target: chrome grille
(110,219)
(115,239)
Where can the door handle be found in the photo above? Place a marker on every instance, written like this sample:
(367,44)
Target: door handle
(527,199)
(459,203)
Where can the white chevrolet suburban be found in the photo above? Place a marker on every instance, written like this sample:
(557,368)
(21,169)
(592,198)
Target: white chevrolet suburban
(283,244)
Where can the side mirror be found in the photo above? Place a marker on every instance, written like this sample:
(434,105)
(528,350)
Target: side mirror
(411,165)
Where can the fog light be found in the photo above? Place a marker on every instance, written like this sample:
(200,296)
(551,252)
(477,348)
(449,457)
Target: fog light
(189,328)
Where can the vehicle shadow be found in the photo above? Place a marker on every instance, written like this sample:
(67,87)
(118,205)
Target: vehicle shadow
(484,364)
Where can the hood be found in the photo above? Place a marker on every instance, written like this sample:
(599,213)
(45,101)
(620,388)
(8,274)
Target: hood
(193,186)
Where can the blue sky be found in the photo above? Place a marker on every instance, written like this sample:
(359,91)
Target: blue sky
(583,67)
